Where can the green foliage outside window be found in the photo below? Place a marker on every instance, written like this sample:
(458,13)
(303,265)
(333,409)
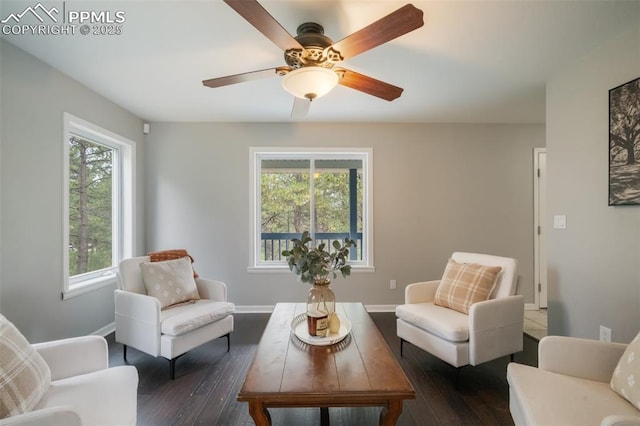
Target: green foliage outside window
(290,195)
(90,206)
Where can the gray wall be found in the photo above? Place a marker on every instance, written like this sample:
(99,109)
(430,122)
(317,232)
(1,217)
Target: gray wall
(594,264)
(34,98)
(437,189)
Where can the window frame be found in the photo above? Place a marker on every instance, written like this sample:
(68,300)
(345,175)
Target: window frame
(123,207)
(257,154)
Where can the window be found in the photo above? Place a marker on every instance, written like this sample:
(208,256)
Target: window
(98,205)
(324,191)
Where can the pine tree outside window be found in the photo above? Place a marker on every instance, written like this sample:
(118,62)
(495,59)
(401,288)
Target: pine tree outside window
(98,205)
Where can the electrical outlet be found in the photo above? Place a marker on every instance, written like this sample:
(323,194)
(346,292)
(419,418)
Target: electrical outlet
(605,334)
(392,284)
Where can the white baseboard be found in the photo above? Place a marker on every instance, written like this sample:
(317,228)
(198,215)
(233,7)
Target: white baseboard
(106,330)
(254,309)
(530,307)
(380,308)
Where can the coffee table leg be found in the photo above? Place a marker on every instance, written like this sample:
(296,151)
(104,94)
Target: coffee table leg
(259,413)
(391,412)
(324,416)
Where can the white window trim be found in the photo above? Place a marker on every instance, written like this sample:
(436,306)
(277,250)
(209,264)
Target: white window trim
(125,176)
(256,154)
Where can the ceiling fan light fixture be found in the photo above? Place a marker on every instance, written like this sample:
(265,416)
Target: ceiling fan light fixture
(310,82)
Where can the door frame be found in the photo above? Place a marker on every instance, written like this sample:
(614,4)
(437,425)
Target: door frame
(539,230)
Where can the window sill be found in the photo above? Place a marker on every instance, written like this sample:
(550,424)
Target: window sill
(278,269)
(88,286)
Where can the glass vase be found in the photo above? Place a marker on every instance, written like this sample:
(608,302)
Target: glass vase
(321,301)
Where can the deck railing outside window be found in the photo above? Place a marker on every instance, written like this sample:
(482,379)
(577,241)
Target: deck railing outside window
(273,243)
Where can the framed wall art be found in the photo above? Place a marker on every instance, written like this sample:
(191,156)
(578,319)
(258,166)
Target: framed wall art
(624,144)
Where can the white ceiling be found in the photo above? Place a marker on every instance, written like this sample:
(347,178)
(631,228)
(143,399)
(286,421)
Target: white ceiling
(472,61)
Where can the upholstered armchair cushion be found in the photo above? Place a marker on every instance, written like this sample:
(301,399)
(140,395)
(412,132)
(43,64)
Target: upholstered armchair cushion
(180,320)
(440,321)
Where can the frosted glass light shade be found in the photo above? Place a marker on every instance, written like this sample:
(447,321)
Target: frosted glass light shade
(310,82)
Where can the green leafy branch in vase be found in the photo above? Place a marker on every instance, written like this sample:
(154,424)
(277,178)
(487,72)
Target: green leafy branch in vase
(316,264)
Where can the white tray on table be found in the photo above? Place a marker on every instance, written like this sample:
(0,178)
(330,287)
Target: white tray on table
(300,329)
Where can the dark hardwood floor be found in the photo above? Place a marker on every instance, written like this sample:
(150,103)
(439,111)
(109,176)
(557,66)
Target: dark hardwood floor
(208,379)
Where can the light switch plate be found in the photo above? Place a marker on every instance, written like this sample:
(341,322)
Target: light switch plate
(559,221)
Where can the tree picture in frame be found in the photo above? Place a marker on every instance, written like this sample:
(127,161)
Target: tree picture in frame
(624,144)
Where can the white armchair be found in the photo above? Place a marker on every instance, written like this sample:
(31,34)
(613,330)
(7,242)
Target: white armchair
(571,385)
(83,390)
(492,328)
(174,330)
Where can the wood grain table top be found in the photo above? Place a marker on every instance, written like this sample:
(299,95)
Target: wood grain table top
(360,370)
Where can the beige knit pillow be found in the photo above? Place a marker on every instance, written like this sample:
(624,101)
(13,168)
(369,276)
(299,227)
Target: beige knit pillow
(464,284)
(170,281)
(626,377)
(24,375)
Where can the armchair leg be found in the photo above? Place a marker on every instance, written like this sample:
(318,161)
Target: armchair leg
(401,346)
(513,357)
(124,352)
(172,368)
(228,336)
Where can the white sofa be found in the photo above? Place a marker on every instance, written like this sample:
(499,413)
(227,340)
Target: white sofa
(570,386)
(83,390)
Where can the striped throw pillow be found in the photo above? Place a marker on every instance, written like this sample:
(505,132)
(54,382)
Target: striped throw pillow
(24,375)
(464,284)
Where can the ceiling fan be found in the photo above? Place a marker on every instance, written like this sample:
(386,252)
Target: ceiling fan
(311,56)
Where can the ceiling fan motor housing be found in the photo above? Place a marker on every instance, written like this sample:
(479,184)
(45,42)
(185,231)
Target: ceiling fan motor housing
(317,51)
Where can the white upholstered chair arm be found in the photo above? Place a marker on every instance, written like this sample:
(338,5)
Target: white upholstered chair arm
(74,356)
(212,289)
(621,420)
(421,292)
(495,328)
(138,321)
(496,313)
(45,417)
(583,358)
(137,306)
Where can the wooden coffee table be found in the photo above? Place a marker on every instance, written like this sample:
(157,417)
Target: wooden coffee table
(359,371)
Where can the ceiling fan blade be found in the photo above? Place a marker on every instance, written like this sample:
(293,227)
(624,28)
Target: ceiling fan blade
(257,16)
(240,78)
(397,23)
(300,108)
(369,85)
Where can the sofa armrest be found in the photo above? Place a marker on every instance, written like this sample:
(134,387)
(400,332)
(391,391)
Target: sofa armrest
(138,321)
(60,415)
(421,292)
(495,328)
(212,289)
(74,356)
(583,358)
(621,420)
